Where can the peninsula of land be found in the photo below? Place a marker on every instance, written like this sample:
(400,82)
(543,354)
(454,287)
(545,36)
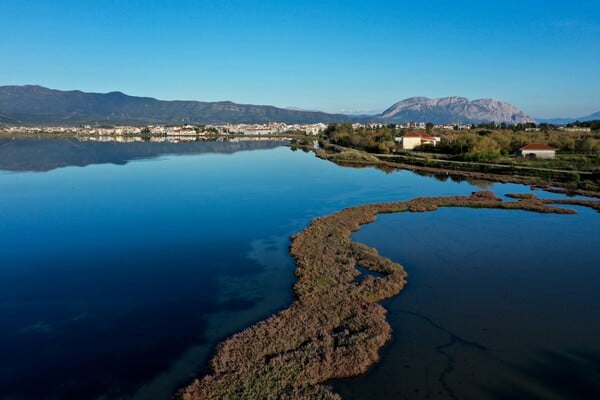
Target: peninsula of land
(543,155)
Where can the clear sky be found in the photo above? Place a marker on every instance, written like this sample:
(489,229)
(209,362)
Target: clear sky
(542,56)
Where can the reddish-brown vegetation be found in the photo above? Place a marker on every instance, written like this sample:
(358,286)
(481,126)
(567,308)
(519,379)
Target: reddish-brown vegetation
(336,327)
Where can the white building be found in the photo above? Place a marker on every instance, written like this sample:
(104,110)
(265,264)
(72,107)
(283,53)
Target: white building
(537,150)
(414,139)
(574,129)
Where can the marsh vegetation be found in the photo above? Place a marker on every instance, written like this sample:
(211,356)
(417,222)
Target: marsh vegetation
(335,328)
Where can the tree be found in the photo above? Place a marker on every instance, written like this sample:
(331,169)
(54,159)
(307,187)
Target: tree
(544,127)
(586,145)
(567,143)
(486,145)
(429,127)
(465,142)
(146,134)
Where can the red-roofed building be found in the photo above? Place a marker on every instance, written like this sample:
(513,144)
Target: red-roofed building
(537,150)
(414,139)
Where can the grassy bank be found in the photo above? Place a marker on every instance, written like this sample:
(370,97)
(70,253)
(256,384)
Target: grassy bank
(485,149)
(545,173)
(577,182)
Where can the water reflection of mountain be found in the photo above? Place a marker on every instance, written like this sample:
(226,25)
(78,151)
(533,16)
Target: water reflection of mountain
(48,154)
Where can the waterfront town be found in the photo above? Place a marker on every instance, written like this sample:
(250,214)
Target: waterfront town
(195,131)
(165,133)
(415,138)
(409,136)
(188,133)
(171,130)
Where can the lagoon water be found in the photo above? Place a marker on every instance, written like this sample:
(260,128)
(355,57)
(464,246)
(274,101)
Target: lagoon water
(500,304)
(122,265)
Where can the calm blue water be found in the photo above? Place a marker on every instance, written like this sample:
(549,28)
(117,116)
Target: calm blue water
(119,277)
(500,305)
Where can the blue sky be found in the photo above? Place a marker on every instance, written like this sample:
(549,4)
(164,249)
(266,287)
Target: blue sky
(542,56)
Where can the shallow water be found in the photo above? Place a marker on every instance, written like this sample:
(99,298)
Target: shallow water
(500,304)
(122,265)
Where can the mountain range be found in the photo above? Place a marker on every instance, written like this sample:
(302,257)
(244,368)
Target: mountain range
(39,105)
(30,104)
(559,121)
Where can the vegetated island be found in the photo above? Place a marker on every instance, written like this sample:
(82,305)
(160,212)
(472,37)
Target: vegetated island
(335,328)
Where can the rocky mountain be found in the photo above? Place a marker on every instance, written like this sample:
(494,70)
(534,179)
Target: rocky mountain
(454,109)
(39,105)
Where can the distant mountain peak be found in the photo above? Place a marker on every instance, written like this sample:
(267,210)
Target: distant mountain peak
(454,109)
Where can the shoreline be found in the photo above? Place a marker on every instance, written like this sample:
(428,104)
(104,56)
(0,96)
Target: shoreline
(335,327)
(68,135)
(364,159)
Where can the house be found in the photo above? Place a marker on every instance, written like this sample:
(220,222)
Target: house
(414,139)
(537,150)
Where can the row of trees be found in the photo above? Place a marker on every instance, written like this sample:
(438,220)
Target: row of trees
(488,144)
(594,125)
(373,140)
(544,126)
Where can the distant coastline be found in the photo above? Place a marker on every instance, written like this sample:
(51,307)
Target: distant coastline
(562,180)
